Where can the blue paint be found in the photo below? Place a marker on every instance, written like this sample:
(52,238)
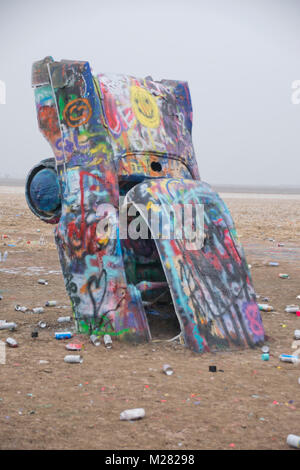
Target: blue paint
(45,191)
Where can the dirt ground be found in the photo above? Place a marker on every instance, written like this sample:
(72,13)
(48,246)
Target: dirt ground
(247,404)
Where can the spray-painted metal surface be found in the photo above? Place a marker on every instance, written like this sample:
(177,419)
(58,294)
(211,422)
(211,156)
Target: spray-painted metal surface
(120,142)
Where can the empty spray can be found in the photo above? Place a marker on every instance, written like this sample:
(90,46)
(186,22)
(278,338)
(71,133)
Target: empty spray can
(265,356)
(63,335)
(293,441)
(42,324)
(136,413)
(167,369)
(7,325)
(43,281)
(38,310)
(95,340)
(273,263)
(19,308)
(64,319)
(284,276)
(73,359)
(12,343)
(265,349)
(74,346)
(292,308)
(297,334)
(265,307)
(289,358)
(107,341)
(50,303)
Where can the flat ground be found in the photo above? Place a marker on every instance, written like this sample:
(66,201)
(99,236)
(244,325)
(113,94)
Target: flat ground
(248,404)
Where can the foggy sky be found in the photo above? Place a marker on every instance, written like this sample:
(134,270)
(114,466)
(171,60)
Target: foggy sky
(239,58)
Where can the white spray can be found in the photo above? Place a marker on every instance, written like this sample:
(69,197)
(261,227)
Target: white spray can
(293,441)
(129,415)
(73,359)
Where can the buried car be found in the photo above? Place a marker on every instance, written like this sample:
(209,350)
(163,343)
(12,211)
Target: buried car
(135,227)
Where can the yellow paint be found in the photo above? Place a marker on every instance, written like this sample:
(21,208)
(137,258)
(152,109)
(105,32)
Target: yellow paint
(144,107)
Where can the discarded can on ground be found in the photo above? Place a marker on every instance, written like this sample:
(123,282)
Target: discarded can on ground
(73,359)
(64,319)
(289,358)
(34,334)
(20,308)
(293,441)
(43,281)
(265,356)
(292,308)
(7,325)
(38,310)
(107,341)
(50,303)
(283,276)
(136,413)
(167,369)
(74,346)
(273,263)
(280,244)
(63,335)
(265,307)
(42,324)
(297,334)
(12,343)
(95,340)
(265,349)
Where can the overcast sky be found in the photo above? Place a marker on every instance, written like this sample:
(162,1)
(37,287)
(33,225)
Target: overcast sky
(240,59)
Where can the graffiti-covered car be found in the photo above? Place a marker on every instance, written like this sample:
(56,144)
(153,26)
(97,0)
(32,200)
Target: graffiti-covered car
(133,220)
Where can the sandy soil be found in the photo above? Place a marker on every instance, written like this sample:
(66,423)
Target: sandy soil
(248,404)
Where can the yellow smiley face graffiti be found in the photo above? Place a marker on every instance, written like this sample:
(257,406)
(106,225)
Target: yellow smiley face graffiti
(144,107)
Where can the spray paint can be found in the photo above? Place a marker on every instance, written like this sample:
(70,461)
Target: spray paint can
(50,303)
(43,281)
(38,310)
(73,359)
(265,307)
(95,340)
(289,358)
(107,341)
(7,325)
(12,343)
(292,308)
(265,349)
(265,356)
(167,369)
(63,335)
(64,319)
(42,324)
(293,441)
(273,263)
(19,308)
(129,415)
(74,346)
(284,276)
(297,334)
